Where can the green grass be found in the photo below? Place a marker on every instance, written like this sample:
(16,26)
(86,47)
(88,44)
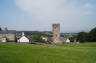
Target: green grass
(86,44)
(27,53)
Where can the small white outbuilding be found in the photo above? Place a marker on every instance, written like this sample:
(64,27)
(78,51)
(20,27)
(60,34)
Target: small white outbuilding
(4,40)
(23,39)
(67,41)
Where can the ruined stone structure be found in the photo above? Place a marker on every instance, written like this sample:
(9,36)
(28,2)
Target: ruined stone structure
(56,34)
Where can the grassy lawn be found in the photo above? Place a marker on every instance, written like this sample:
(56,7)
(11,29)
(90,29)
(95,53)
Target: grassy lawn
(27,53)
(86,44)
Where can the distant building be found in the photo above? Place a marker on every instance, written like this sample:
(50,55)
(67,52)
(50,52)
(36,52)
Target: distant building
(23,39)
(67,41)
(44,38)
(7,35)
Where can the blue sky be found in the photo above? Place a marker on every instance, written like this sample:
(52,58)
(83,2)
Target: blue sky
(39,15)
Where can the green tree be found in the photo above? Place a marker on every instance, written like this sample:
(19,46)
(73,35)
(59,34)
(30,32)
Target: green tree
(0,29)
(37,39)
(82,37)
(92,35)
(73,38)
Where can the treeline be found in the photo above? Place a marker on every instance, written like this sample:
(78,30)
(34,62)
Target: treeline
(36,33)
(85,36)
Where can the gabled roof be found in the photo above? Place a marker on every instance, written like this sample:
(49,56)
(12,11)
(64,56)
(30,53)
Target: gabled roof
(8,32)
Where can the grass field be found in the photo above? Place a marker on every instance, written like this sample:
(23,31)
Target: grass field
(27,53)
(86,44)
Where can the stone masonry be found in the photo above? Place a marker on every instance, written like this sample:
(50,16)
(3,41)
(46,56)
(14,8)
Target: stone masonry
(56,34)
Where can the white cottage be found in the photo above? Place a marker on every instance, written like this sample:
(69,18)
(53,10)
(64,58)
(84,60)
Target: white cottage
(4,40)
(23,39)
(67,41)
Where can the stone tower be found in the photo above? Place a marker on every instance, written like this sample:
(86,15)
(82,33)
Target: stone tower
(56,34)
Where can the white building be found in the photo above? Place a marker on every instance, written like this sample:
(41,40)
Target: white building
(67,41)
(45,38)
(23,39)
(4,40)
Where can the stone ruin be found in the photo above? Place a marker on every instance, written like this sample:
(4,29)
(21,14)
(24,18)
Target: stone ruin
(56,34)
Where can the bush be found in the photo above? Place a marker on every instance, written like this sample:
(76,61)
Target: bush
(87,37)
(37,39)
(92,35)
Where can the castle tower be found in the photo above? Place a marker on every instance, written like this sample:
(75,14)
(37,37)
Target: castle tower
(56,34)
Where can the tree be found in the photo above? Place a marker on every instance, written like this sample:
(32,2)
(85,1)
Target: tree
(37,39)
(86,37)
(82,37)
(73,38)
(0,29)
(92,35)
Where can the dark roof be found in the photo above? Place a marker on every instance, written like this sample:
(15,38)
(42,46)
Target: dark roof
(8,32)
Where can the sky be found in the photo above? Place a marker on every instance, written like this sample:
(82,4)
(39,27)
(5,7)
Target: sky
(39,15)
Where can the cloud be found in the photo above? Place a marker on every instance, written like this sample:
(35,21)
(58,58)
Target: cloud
(52,9)
(88,5)
(49,9)
(57,11)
